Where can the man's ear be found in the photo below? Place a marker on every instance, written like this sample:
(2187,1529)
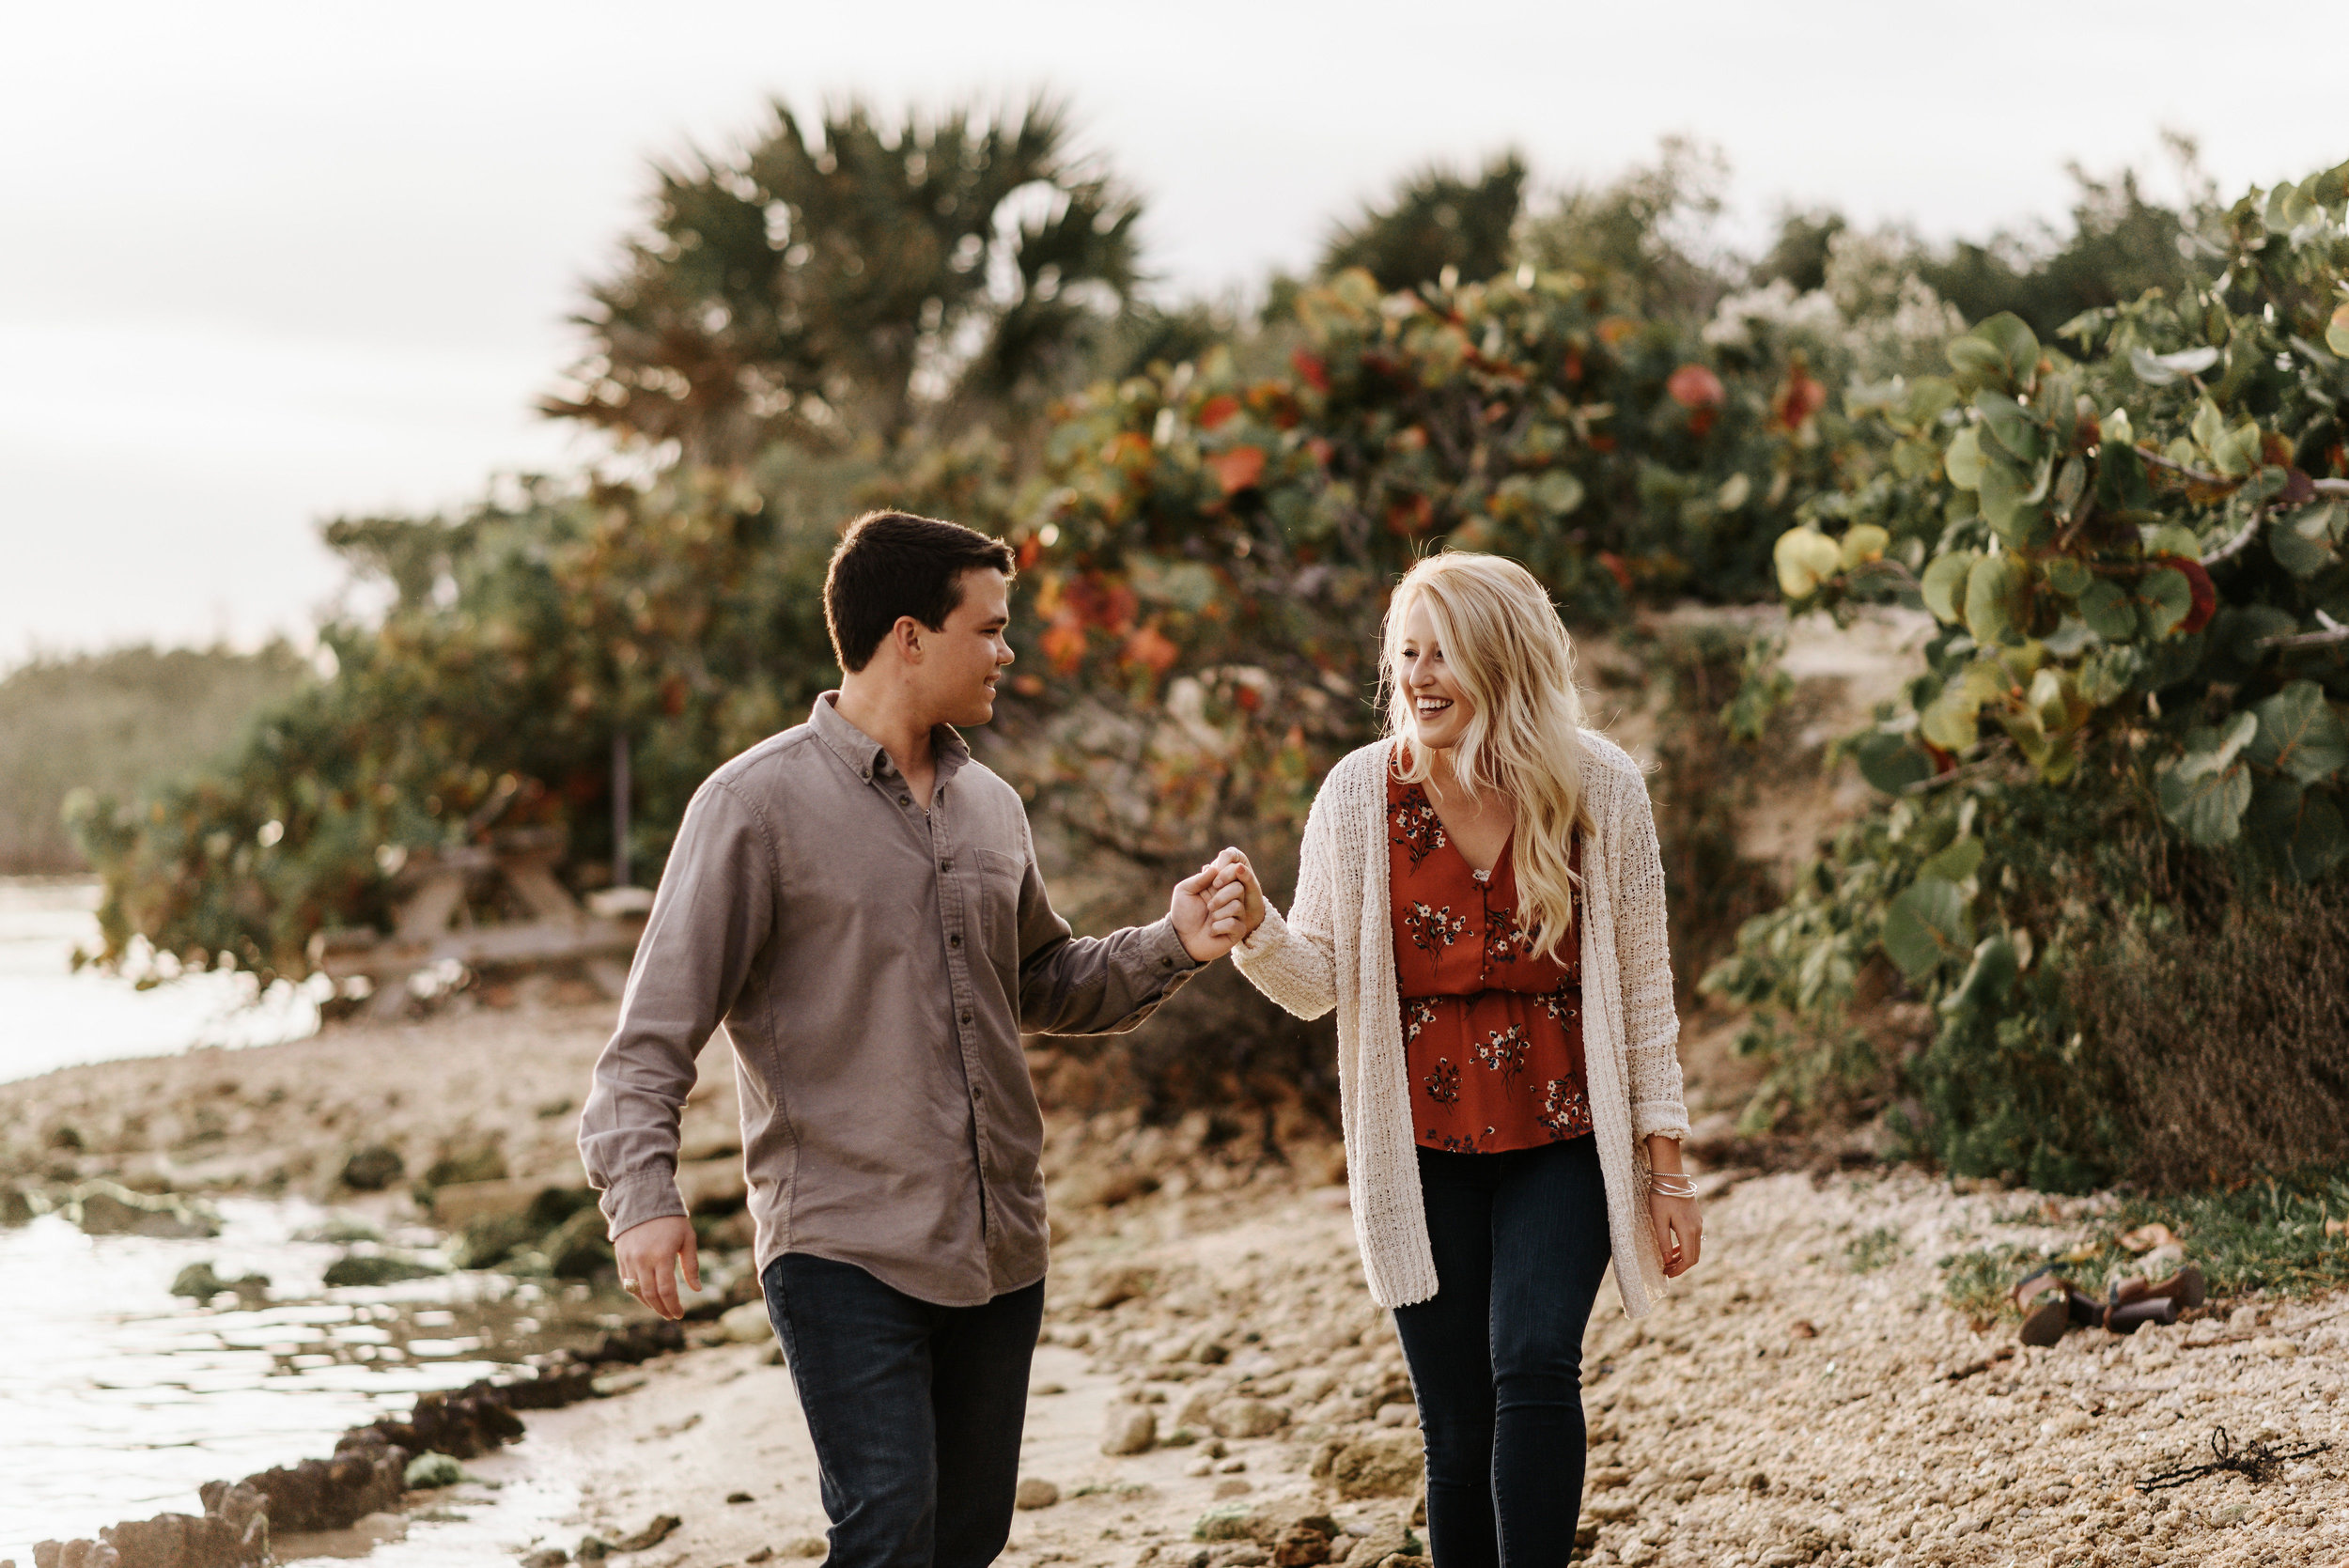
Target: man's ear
(906,637)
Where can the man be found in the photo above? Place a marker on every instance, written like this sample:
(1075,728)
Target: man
(858,901)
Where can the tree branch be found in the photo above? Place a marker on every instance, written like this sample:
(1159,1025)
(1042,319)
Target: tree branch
(2236,546)
(2332,639)
(2198,475)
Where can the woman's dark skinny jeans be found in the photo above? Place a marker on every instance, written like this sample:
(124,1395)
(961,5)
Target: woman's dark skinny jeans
(1496,1354)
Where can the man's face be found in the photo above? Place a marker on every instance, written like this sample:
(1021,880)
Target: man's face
(962,661)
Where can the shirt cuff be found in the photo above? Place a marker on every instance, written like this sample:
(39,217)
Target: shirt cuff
(1164,952)
(639,1196)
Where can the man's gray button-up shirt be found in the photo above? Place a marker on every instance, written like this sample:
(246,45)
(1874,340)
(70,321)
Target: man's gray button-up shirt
(874,964)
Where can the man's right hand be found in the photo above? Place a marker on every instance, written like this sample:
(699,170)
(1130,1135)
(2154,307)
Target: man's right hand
(650,1257)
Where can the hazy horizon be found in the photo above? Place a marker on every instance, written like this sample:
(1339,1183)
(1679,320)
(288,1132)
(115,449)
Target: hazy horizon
(280,264)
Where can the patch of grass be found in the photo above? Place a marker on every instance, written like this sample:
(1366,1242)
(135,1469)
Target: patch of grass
(2265,1236)
(1874,1249)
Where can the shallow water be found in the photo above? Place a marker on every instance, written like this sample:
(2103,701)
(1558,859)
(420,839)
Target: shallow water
(52,1016)
(122,1400)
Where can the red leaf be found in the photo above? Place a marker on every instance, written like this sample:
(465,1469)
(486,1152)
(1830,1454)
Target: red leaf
(1410,514)
(1030,548)
(1149,647)
(1064,642)
(1238,469)
(1798,397)
(1616,568)
(1217,409)
(1693,386)
(1315,373)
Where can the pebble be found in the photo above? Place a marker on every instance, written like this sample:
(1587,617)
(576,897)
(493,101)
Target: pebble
(1035,1492)
(1129,1429)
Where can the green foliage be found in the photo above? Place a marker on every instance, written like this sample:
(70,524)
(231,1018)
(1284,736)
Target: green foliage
(1437,223)
(819,291)
(2263,1235)
(2122,680)
(523,637)
(114,723)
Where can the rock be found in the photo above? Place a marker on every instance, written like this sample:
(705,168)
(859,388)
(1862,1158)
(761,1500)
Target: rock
(805,1545)
(546,1556)
(759,1554)
(1607,1478)
(200,1284)
(183,1541)
(2272,1344)
(104,1208)
(427,1471)
(331,1494)
(1114,1285)
(1247,1417)
(1383,1541)
(16,1204)
(1614,1511)
(593,1548)
(747,1324)
(1130,1429)
(380,1527)
(1035,1492)
(654,1532)
(1301,1545)
(378,1269)
(740,1497)
(1389,1465)
(1397,1415)
(1233,1487)
(1225,1522)
(1249,1556)
(459,1204)
(373,1167)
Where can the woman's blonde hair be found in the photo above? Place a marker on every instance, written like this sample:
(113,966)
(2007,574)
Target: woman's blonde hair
(1506,648)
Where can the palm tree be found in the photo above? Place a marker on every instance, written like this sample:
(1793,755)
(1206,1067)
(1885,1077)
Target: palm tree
(853,288)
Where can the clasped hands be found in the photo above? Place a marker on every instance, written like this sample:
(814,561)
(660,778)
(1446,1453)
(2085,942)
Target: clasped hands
(1216,907)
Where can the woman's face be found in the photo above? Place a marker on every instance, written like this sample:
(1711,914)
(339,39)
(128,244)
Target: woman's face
(1441,709)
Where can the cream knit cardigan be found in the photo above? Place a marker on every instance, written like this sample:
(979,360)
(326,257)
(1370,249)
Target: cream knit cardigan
(1335,948)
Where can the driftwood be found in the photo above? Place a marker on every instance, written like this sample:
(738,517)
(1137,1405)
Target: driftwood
(427,931)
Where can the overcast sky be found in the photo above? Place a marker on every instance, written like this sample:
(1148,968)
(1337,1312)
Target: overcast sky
(262,263)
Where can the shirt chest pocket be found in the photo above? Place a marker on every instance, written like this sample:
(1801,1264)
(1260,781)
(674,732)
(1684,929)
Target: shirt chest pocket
(997,896)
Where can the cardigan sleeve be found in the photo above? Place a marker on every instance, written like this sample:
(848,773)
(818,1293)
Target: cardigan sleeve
(1651,1025)
(1293,960)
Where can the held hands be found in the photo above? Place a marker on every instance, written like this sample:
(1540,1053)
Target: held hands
(1216,907)
(651,1255)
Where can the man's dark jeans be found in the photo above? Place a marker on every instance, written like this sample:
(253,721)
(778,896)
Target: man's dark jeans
(1520,1242)
(915,1410)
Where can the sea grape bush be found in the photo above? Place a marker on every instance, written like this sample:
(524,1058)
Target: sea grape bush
(2132,552)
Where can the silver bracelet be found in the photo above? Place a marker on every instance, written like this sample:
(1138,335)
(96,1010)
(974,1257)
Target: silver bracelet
(1672,1184)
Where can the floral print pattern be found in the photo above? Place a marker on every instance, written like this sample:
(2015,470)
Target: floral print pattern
(1431,928)
(1492,1033)
(1417,830)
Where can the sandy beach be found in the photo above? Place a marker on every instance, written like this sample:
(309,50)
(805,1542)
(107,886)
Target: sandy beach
(1806,1396)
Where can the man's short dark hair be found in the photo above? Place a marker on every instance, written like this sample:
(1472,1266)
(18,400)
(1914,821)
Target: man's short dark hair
(891,564)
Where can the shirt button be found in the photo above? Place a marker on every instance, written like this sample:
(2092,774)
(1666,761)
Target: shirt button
(905,799)
(966,1016)
(977,1092)
(954,941)
(945,865)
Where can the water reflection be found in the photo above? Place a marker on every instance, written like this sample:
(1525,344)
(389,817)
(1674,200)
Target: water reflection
(122,1400)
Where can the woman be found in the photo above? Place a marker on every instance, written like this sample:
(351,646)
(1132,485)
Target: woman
(1481,898)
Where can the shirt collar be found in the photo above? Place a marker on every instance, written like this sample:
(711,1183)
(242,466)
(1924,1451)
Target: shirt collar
(866,756)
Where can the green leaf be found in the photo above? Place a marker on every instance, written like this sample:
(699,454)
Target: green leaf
(2337,330)
(1863,542)
(2167,597)
(1944,585)
(1890,763)
(2108,611)
(1804,558)
(1964,459)
(1997,600)
(2012,338)
(1558,491)
(1979,361)
(2010,425)
(2302,544)
(2211,748)
(1927,926)
(2010,496)
(2206,806)
(2068,575)
(1959,861)
(2299,735)
(2302,828)
(1989,978)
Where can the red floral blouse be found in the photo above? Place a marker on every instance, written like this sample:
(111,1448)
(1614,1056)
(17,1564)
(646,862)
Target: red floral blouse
(1492,1033)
